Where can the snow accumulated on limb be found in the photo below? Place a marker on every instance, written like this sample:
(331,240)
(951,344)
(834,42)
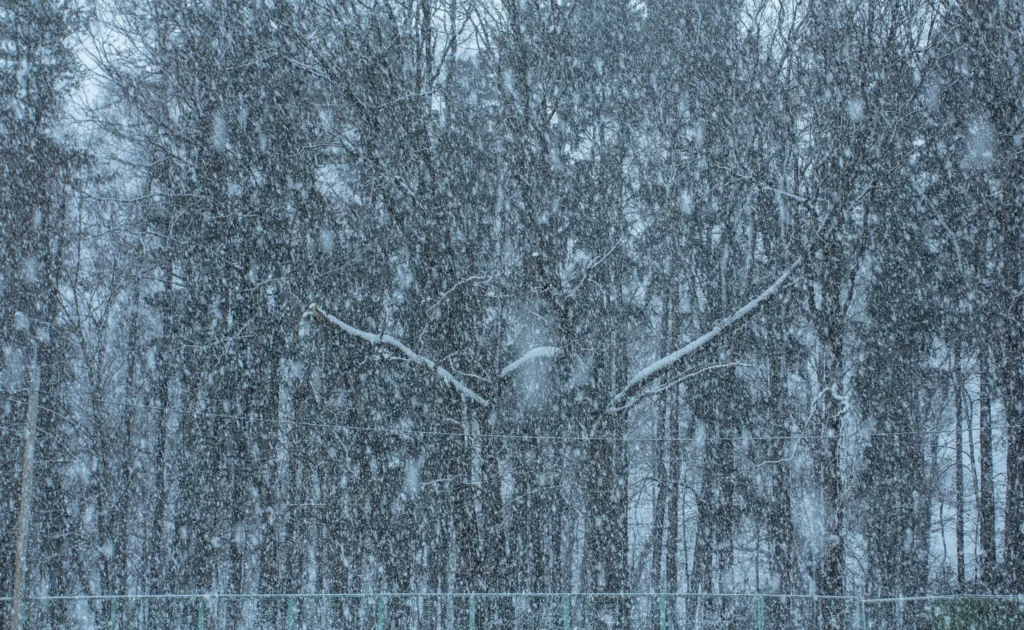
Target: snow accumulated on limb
(542,352)
(388,340)
(631,401)
(659,367)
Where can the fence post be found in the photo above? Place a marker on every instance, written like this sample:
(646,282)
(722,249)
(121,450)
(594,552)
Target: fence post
(202,612)
(565,612)
(291,613)
(663,612)
(472,611)
(760,612)
(113,614)
(380,612)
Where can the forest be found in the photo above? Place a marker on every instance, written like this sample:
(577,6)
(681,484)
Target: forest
(511,296)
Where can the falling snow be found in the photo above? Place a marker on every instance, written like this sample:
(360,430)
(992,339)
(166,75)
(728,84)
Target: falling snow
(511,314)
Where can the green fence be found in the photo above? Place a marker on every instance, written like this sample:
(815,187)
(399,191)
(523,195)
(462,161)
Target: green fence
(952,612)
(513,611)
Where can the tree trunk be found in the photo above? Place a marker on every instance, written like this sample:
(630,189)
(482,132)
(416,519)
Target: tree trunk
(1012,372)
(781,534)
(700,577)
(986,501)
(661,471)
(607,537)
(833,563)
(958,465)
(25,507)
(674,474)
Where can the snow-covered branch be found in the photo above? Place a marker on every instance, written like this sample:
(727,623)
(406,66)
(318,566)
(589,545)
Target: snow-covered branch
(656,369)
(631,401)
(388,340)
(543,352)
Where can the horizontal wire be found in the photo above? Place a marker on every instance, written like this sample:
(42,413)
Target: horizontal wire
(443,595)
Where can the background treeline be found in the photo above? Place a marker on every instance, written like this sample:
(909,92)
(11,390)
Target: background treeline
(601,179)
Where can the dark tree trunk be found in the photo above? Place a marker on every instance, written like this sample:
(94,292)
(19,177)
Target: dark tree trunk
(675,471)
(986,501)
(1012,369)
(780,530)
(700,576)
(833,564)
(958,465)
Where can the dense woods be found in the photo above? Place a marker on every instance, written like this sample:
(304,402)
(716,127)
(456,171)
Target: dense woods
(705,296)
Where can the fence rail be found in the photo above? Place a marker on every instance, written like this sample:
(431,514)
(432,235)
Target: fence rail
(514,611)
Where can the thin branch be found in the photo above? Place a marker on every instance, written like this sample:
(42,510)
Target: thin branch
(444,296)
(388,340)
(634,400)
